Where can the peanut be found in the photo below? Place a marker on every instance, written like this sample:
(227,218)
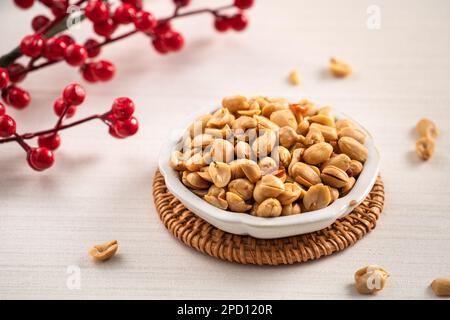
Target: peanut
(105,251)
(441,287)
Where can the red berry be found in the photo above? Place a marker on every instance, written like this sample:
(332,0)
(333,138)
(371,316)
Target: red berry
(87,71)
(135,3)
(92,48)
(4,78)
(182,3)
(97,11)
(239,21)
(162,28)
(68,40)
(40,158)
(144,21)
(74,94)
(18,98)
(222,23)
(124,14)
(50,141)
(104,70)
(105,28)
(59,8)
(39,22)
(112,131)
(75,54)
(173,40)
(2,109)
(24,4)
(243,4)
(159,45)
(54,49)
(7,126)
(127,127)
(32,45)
(122,108)
(16,72)
(59,107)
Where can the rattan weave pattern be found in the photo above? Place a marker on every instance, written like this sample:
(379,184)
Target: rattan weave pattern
(202,236)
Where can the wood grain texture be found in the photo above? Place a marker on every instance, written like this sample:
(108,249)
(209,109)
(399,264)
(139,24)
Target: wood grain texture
(100,188)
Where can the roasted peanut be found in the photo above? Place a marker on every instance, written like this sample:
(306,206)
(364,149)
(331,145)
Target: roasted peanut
(348,186)
(220,173)
(317,197)
(236,203)
(342,161)
(263,123)
(244,123)
(220,118)
(196,162)
(441,287)
(339,68)
(271,107)
(267,165)
(323,119)
(284,118)
(284,156)
(290,209)
(329,133)
(194,180)
(318,153)
(287,136)
(217,197)
(353,149)
(264,144)
(269,208)
(344,123)
(314,136)
(356,167)
(427,128)
(305,175)
(251,170)
(334,193)
(235,103)
(292,192)
(222,150)
(243,150)
(425,148)
(177,161)
(105,251)
(303,126)
(271,186)
(354,133)
(334,176)
(294,78)
(370,279)
(242,187)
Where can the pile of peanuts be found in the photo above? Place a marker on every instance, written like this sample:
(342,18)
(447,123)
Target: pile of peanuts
(268,157)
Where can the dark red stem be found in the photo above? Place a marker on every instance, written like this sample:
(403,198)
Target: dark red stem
(26,136)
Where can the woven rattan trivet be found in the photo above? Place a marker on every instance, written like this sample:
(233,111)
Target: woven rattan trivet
(199,234)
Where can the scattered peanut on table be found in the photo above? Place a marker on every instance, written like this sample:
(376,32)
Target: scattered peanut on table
(428,132)
(104,251)
(339,69)
(268,157)
(294,78)
(441,287)
(370,279)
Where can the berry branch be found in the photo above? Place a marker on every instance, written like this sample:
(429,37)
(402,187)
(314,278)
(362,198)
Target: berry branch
(47,46)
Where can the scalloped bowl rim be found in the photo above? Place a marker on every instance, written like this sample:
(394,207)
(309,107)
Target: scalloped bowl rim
(241,223)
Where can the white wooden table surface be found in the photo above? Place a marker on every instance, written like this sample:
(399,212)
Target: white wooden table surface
(100,188)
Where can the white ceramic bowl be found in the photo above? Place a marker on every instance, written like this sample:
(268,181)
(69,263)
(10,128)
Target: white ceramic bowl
(270,228)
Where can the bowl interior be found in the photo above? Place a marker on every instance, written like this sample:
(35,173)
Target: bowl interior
(215,216)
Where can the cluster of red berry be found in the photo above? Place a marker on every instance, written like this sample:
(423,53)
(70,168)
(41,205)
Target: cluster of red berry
(119,119)
(46,46)
(106,21)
